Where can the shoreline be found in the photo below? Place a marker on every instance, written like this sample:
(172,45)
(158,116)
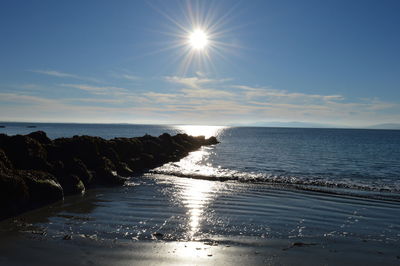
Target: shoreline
(85,250)
(142,224)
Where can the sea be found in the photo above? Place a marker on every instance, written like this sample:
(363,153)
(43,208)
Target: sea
(304,185)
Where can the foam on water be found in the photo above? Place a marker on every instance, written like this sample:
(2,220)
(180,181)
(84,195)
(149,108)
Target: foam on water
(197,165)
(342,161)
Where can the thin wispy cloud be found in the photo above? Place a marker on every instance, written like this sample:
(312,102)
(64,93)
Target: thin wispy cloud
(100,90)
(23,98)
(60,74)
(56,73)
(206,93)
(197,99)
(95,100)
(254,92)
(126,77)
(194,82)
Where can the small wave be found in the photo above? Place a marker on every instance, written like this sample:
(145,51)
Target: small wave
(343,186)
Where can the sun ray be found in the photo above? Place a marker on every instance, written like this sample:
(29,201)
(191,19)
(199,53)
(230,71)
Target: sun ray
(198,33)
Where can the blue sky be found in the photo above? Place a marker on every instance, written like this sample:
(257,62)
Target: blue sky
(332,62)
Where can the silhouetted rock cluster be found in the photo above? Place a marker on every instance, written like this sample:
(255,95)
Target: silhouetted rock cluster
(35,170)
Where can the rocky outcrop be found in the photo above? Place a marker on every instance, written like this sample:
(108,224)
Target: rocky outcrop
(35,170)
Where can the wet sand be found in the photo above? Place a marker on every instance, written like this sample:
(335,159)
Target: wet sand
(161,220)
(81,250)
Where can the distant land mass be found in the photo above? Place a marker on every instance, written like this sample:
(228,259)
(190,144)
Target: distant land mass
(385,126)
(314,125)
(288,124)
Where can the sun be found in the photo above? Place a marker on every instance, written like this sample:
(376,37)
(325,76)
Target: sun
(197,33)
(198,39)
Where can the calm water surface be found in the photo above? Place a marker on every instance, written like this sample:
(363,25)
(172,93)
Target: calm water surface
(324,184)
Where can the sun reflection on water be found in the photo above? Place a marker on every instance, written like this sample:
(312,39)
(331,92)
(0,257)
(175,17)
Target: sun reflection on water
(197,130)
(195,164)
(196,196)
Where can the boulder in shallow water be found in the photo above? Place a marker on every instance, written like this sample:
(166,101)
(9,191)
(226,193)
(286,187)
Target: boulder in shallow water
(105,173)
(212,141)
(124,170)
(71,184)
(43,187)
(76,167)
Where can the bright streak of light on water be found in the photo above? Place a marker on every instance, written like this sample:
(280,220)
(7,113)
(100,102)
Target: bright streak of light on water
(198,130)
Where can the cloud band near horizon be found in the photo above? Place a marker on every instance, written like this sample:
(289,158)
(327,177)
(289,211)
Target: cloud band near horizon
(190,99)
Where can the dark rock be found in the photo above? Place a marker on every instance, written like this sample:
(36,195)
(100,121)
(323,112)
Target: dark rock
(299,244)
(3,138)
(124,170)
(146,161)
(165,136)
(110,178)
(40,136)
(77,167)
(35,170)
(67,237)
(109,153)
(212,141)
(127,148)
(105,173)
(43,187)
(71,184)
(134,163)
(26,153)
(84,148)
(157,235)
(5,163)
(14,193)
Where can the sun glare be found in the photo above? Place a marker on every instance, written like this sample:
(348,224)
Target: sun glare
(198,39)
(198,33)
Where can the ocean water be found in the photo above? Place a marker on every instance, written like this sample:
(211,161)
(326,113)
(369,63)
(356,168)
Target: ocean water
(350,161)
(258,184)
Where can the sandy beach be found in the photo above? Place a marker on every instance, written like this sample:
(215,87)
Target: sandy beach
(31,249)
(122,226)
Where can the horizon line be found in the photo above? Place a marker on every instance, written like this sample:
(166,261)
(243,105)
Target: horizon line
(232,125)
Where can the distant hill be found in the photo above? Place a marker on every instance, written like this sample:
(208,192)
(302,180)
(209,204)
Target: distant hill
(288,124)
(314,125)
(385,126)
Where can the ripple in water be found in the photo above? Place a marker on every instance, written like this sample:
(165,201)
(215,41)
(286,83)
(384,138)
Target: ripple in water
(198,165)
